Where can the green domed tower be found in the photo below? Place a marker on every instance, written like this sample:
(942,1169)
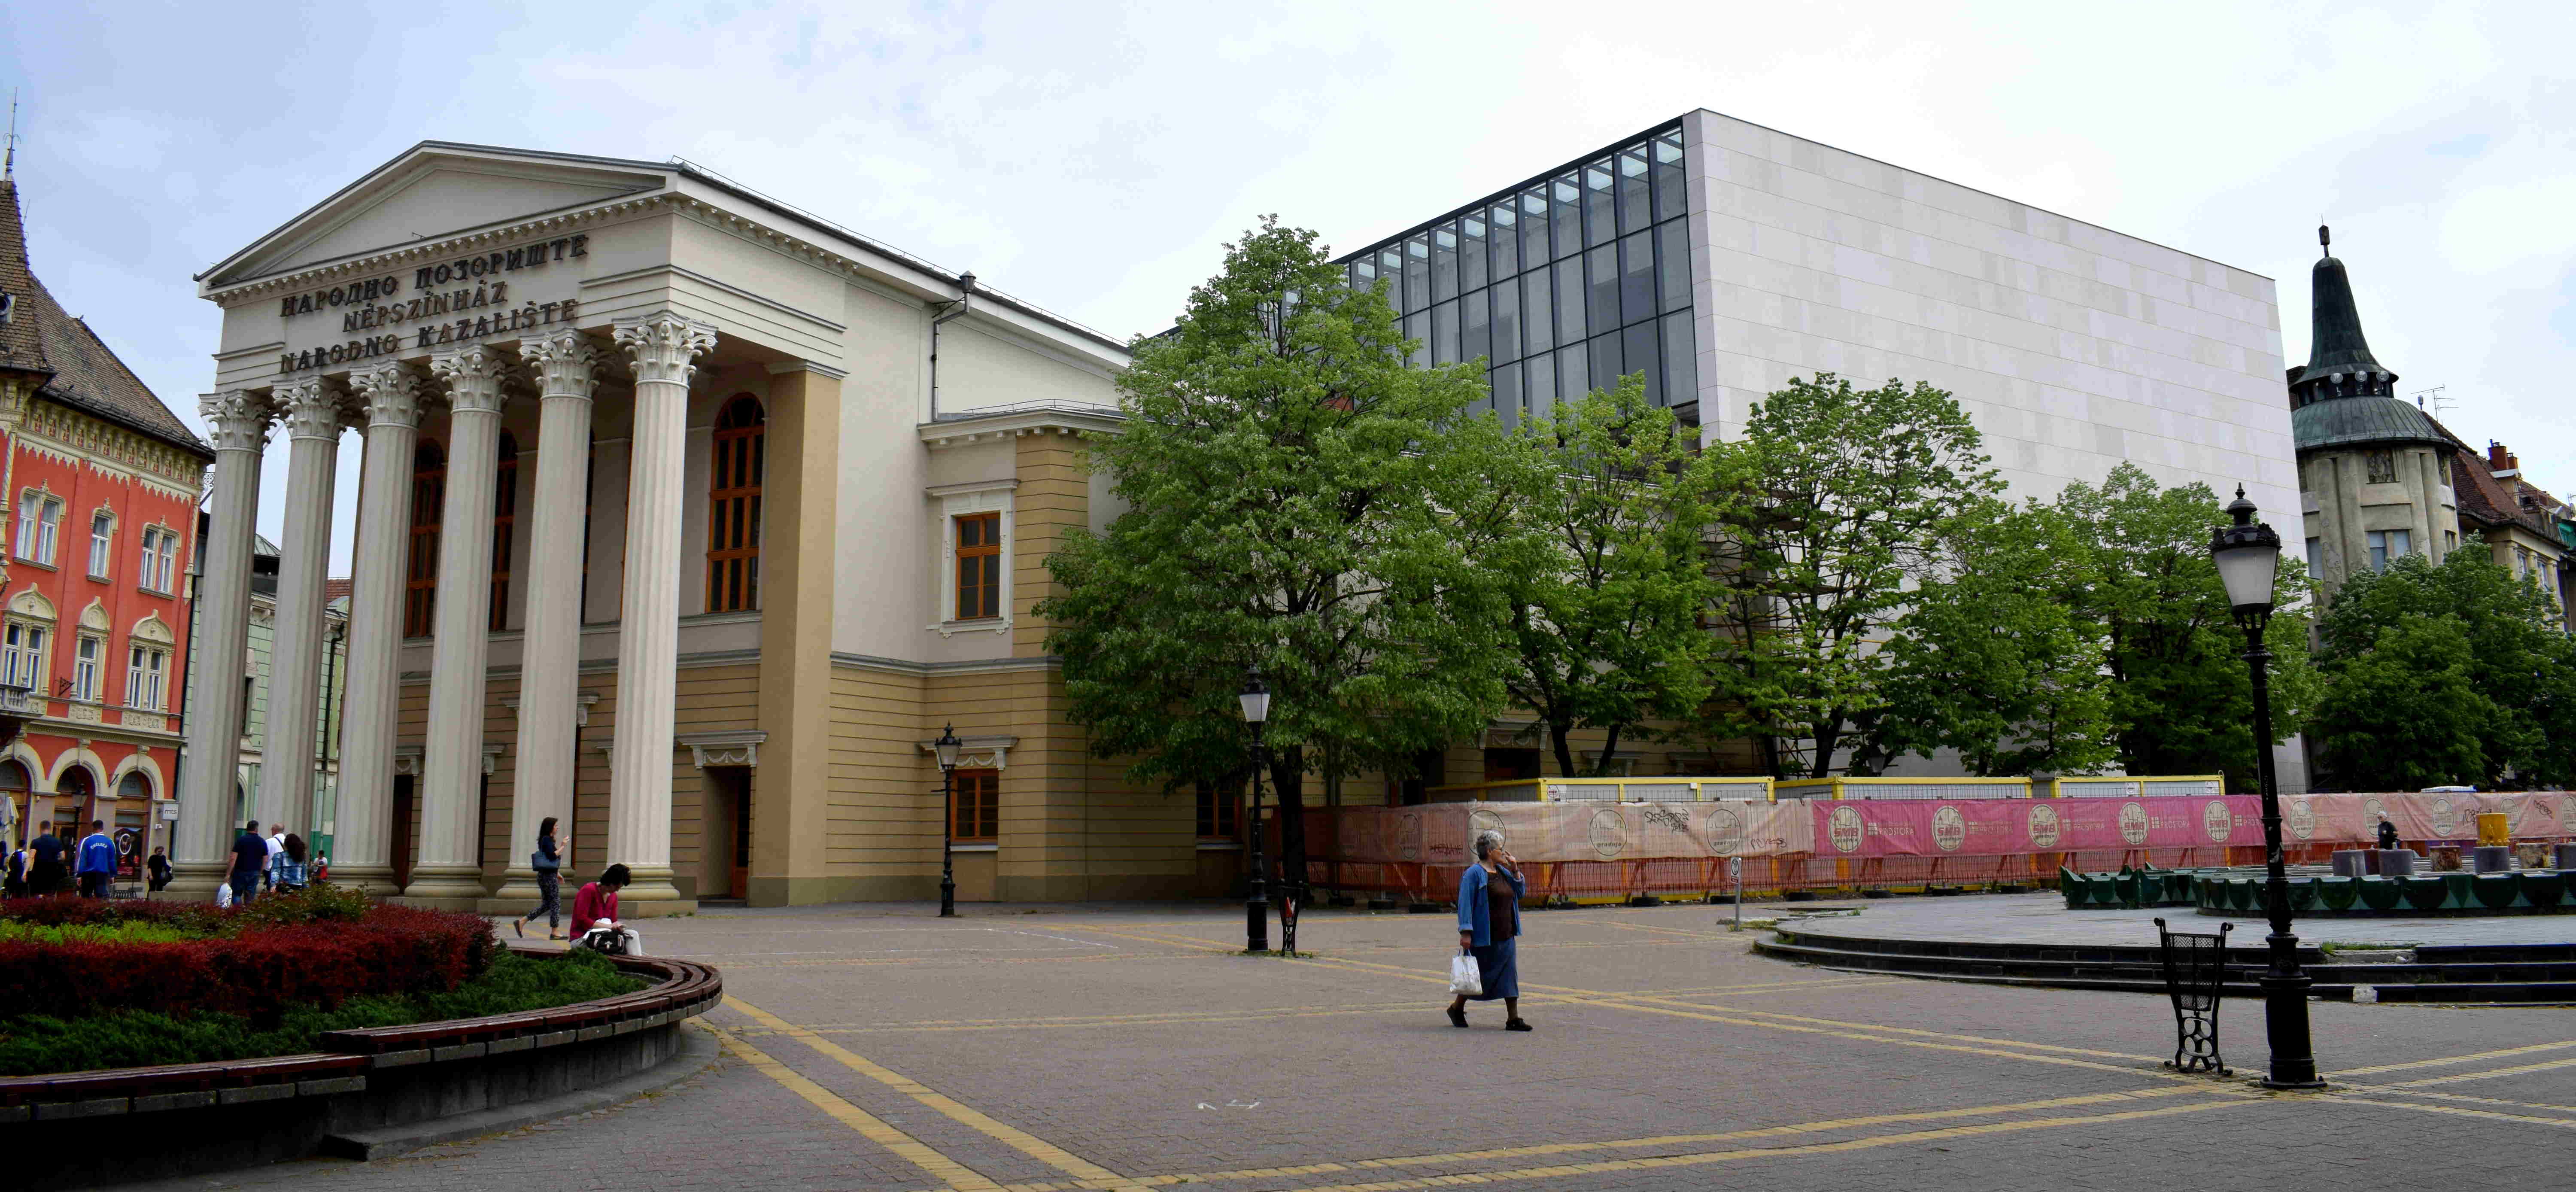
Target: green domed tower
(2374,471)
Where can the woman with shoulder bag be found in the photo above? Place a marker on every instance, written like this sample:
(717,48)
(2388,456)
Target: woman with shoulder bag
(548,862)
(1489,927)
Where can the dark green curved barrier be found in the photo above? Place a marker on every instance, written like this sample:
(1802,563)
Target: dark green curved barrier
(2337,893)
(2381,893)
(2544,889)
(2426,893)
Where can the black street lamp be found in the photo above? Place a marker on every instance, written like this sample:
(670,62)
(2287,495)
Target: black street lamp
(2248,555)
(1256,898)
(947,746)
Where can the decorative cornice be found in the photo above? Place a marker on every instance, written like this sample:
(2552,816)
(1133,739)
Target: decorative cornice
(979,753)
(918,670)
(440,249)
(735,747)
(954,430)
(566,364)
(786,367)
(238,418)
(473,374)
(663,346)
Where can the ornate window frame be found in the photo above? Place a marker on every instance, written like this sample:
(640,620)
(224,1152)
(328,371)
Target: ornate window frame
(36,532)
(30,611)
(102,544)
(970,499)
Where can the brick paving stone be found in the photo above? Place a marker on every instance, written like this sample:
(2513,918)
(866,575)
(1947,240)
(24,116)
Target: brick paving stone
(1129,1037)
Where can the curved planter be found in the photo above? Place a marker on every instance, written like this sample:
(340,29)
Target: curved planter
(124,1124)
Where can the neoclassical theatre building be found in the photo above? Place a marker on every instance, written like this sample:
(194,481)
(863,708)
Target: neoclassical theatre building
(686,518)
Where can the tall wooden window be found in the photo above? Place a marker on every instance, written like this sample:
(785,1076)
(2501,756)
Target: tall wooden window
(979,566)
(505,516)
(979,804)
(428,493)
(733,511)
(1220,810)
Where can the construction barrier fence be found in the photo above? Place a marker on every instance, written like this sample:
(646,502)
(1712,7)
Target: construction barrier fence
(1600,851)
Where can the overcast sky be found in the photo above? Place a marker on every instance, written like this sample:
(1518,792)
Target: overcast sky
(1092,159)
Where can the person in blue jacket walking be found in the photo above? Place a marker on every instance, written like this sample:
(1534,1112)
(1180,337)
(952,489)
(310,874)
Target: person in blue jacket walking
(97,861)
(1489,926)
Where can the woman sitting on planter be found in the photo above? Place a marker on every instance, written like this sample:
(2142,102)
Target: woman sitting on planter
(594,910)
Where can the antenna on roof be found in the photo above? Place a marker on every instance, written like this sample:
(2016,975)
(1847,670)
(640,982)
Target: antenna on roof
(9,160)
(2442,401)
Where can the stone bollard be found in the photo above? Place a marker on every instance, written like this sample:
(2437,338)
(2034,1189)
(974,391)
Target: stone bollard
(2351,862)
(2492,858)
(2396,862)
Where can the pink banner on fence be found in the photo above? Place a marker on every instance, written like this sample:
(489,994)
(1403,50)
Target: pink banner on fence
(1997,827)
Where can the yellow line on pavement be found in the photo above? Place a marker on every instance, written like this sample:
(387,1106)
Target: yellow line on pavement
(2487,1075)
(1012,1136)
(1566,1170)
(2460,1059)
(949,1172)
(2456,1111)
(2393,1090)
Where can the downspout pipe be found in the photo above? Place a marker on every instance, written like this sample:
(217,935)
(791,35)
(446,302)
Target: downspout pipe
(965,290)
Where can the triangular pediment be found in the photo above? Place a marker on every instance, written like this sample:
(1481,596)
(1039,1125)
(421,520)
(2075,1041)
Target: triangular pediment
(436,190)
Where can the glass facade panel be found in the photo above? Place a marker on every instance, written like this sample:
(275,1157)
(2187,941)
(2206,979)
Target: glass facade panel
(1636,210)
(1637,352)
(1571,377)
(1601,287)
(1507,240)
(1681,362)
(1669,199)
(1444,265)
(1637,277)
(1417,273)
(1672,264)
(1537,318)
(1560,284)
(1565,215)
(1600,206)
(1569,301)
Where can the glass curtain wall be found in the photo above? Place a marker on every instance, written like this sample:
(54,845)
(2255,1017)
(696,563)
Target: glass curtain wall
(1563,284)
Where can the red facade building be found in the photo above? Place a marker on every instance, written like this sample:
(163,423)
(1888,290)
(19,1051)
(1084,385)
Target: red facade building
(102,482)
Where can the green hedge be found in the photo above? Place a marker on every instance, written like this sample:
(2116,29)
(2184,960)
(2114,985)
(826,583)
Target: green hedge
(32,1044)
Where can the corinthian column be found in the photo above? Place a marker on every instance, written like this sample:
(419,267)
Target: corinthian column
(450,873)
(550,665)
(361,849)
(239,421)
(311,409)
(648,633)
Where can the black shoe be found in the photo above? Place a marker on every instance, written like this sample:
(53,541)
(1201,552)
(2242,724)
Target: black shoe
(1458,1017)
(520,926)
(1516,1025)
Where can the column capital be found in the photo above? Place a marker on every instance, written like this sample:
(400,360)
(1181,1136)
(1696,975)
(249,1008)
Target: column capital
(239,419)
(565,362)
(391,394)
(311,408)
(663,345)
(473,375)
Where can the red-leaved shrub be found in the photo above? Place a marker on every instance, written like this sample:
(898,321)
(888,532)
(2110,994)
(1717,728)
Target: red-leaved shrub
(392,950)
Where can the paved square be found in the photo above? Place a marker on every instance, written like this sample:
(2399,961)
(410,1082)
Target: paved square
(1127,1047)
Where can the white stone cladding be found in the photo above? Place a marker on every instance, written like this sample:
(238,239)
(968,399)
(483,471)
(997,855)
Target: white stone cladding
(2074,347)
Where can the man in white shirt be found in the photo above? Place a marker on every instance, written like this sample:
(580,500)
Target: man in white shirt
(276,849)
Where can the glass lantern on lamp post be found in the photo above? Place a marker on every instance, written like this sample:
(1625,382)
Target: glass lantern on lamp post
(2248,555)
(1255,699)
(946,747)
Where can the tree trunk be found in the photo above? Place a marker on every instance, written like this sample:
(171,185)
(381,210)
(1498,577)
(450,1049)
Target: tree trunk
(1557,736)
(1609,747)
(1827,733)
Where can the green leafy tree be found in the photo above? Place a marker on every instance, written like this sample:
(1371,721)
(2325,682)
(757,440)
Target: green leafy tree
(2518,659)
(1856,490)
(2405,713)
(1994,657)
(1607,572)
(1298,500)
(2181,699)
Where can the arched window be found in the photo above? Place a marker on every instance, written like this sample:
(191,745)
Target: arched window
(428,493)
(135,786)
(76,798)
(733,513)
(505,515)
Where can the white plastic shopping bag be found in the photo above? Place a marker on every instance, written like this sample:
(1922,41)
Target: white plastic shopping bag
(1464,977)
(223,894)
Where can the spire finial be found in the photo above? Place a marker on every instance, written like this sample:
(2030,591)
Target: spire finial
(9,158)
(2325,240)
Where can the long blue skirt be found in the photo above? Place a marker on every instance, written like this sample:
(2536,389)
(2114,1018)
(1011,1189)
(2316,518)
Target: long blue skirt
(1500,967)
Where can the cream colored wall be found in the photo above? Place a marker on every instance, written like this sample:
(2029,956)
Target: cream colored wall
(879,594)
(982,364)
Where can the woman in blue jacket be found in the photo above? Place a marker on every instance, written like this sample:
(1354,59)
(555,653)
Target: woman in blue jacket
(1489,926)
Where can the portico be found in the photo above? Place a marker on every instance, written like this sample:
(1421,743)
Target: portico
(652,539)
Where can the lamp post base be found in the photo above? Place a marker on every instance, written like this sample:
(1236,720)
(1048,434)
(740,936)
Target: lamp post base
(2285,1027)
